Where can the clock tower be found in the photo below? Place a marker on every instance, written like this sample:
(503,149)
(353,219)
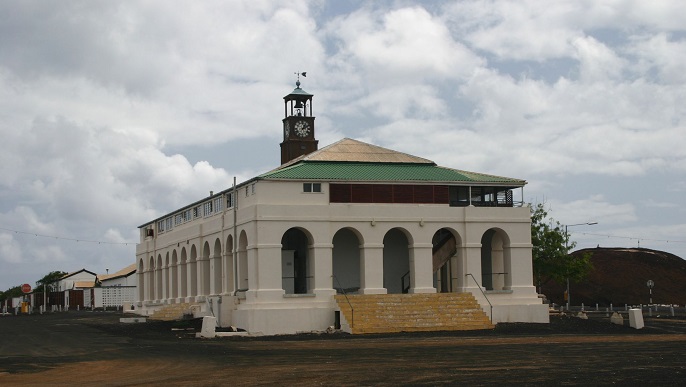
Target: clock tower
(298,124)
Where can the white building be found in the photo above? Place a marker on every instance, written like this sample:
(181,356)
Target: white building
(270,254)
(80,279)
(116,290)
(123,277)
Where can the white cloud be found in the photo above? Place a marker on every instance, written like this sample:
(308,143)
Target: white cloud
(401,44)
(593,209)
(597,62)
(662,55)
(10,250)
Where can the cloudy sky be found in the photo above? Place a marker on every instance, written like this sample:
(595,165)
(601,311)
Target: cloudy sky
(114,113)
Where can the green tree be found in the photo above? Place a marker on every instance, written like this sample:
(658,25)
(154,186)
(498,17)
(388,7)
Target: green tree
(12,292)
(551,245)
(50,281)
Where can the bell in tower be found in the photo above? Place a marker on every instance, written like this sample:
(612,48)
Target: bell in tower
(298,124)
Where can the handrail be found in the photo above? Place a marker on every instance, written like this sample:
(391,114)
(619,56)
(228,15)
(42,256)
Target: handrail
(482,292)
(240,290)
(352,310)
(402,283)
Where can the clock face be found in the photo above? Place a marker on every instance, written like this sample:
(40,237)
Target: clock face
(302,129)
(286,129)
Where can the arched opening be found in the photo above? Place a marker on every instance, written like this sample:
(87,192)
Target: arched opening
(165,275)
(295,268)
(243,280)
(217,268)
(183,273)
(151,279)
(446,260)
(205,270)
(228,264)
(495,256)
(141,280)
(174,275)
(158,278)
(396,261)
(346,261)
(193,275)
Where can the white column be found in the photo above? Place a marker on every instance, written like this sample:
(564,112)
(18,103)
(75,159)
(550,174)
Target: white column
(264,272)
(371,265)
(421,268)
(216,275)
(323,269)
(227,269)
(472,265)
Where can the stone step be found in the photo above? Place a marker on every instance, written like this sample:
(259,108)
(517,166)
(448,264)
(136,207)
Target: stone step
(172,312)
(381,313)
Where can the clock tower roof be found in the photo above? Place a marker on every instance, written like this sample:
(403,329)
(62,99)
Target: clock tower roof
(297,93)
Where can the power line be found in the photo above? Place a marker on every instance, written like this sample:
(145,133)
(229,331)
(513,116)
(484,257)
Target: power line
(68,239)
(631,238)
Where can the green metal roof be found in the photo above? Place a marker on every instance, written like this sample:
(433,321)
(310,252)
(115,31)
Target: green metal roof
(382,172)
(300,92)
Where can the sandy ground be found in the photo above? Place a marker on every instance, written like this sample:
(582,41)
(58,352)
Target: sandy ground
(93,348)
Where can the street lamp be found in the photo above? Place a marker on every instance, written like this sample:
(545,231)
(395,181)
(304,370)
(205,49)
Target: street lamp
(567,249)
(650,284)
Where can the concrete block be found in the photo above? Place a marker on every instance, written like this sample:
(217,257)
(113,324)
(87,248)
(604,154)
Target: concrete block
(636,318)
(617,319)
(209,324)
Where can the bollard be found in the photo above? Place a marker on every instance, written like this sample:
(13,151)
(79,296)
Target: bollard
(636,319)
(596,306)
(626,307)
(607,312)
(611,308)
(582,306)
(671,310)
(78,307)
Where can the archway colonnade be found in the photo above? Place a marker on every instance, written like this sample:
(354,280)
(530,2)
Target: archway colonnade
(350,261)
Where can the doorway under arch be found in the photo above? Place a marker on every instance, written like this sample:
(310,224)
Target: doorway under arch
(346,261)
(495,258)
(295,265)
(243,279)
(396,261)
(446,260)
(183,276)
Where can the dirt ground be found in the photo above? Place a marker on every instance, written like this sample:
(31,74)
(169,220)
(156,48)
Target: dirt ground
(94,348)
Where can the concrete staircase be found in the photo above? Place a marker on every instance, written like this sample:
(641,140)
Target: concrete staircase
(172,312)
(386,313)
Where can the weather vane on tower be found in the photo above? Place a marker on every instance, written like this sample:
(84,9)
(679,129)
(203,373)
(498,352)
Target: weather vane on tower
(304,74)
